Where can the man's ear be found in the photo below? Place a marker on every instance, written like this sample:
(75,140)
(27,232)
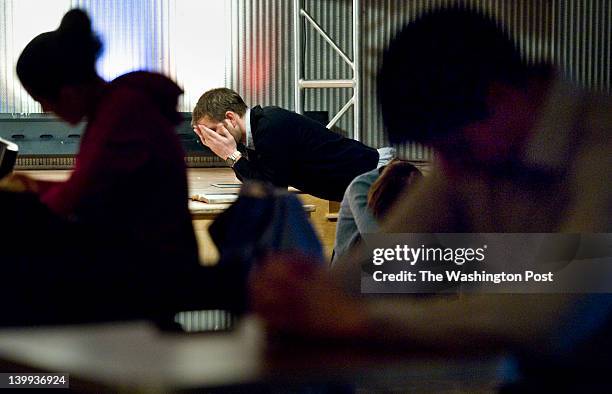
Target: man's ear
(231,116)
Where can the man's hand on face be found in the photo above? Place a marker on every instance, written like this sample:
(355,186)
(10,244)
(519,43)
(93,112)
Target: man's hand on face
(220,141)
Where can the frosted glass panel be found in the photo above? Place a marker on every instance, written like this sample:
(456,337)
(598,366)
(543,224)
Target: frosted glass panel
(130,32)
(199,34)
(184,39)
(20,21)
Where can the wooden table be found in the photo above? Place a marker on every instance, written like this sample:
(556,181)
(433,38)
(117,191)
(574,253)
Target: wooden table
(200,181)
(136,357)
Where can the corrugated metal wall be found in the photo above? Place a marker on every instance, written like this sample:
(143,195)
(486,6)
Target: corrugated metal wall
(261,66)
(574,34)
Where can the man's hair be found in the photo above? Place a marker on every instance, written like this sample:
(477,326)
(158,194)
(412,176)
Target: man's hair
(437,70)
(216,102)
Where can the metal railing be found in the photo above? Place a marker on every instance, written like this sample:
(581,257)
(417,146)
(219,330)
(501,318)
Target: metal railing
(301,83)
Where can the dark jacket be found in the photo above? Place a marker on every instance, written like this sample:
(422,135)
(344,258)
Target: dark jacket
(293,150)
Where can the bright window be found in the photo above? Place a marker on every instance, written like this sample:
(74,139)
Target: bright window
(186,40)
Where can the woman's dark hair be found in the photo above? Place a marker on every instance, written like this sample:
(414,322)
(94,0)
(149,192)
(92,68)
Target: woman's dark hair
(394,179)
(437,69)
(66,56)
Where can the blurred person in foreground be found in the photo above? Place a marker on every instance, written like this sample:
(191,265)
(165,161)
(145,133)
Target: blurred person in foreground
(520,150)
(129,172)
(115,240)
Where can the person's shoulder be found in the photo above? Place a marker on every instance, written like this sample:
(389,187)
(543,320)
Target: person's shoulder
(124,113)
(591,120)
(364,180)
(274,112)
(147,84)
(599,115)
(279,120)
(282,113)
(272,119)
(369,176)
(121,98)
(272,109)
(142,91)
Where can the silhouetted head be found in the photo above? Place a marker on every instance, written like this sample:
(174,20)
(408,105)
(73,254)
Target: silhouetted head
(55,65)
(448,69)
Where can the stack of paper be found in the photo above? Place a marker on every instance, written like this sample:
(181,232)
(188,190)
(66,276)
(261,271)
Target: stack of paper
(227,185)
(213,198)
